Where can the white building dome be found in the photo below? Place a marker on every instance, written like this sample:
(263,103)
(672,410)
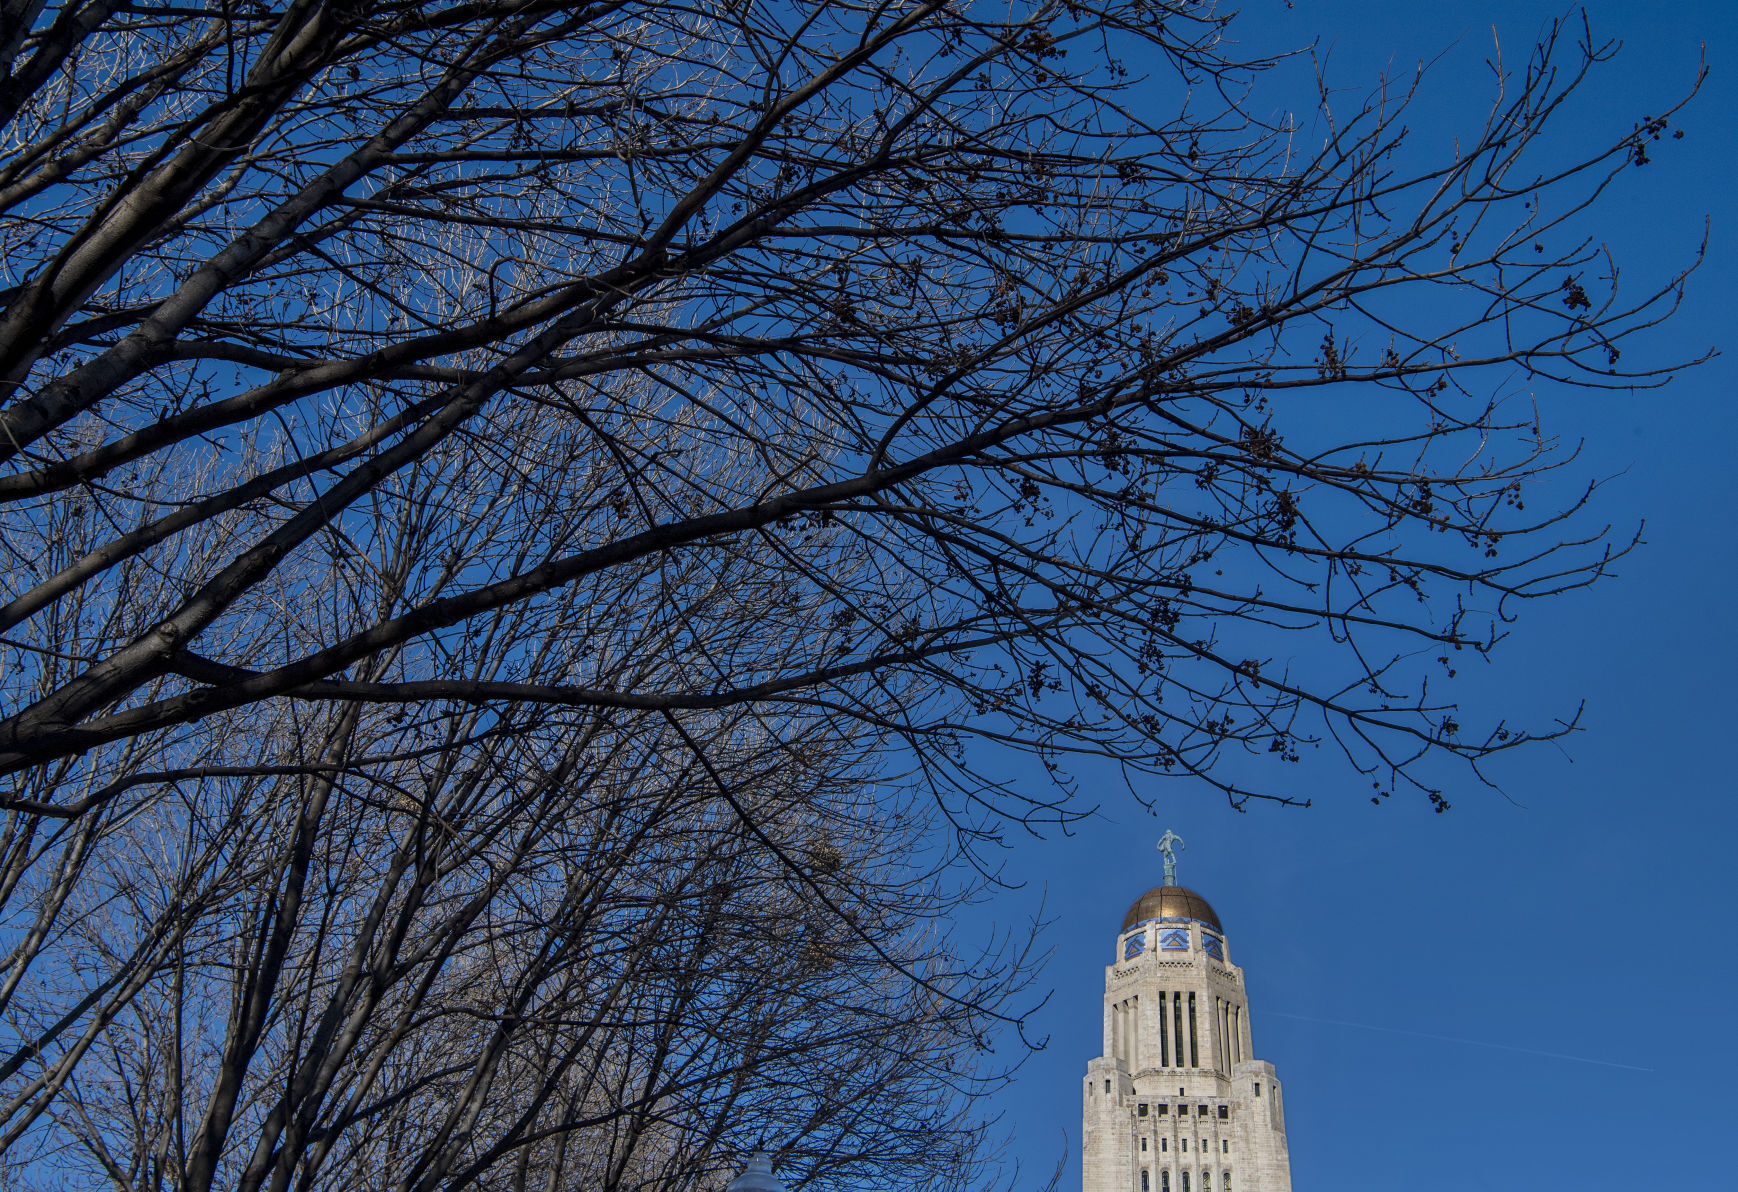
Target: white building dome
(758,1177)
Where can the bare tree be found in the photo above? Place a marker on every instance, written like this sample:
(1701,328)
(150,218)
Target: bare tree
(505,944)
(434,431)
(537,955)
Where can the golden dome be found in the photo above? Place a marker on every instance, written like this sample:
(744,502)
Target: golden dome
(1171,902)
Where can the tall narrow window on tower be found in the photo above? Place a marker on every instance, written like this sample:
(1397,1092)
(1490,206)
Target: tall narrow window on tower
(1194,1044)
(1190,1063)
(1225,1037)
(1219,1064)
(1164,1035)
(1134,1031)
(1177,1024)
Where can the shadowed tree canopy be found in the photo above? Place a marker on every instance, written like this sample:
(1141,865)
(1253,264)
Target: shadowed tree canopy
(429,431)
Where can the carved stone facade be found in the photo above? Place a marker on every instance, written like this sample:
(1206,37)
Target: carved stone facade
(1177,1102)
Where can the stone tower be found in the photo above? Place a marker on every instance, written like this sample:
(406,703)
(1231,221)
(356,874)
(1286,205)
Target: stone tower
(1177,1102)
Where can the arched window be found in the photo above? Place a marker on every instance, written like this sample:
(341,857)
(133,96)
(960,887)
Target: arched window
(1185,1182)
(1144,1187)
(1225,1181)
(1164,1181)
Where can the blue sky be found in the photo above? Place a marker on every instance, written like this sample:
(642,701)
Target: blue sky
(1585,911)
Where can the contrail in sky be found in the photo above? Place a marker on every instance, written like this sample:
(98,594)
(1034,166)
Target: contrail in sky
(1394,1030)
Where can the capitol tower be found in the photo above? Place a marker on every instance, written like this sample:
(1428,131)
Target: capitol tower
(1178,1102)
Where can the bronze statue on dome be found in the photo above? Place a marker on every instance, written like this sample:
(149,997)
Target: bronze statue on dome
(1171,844)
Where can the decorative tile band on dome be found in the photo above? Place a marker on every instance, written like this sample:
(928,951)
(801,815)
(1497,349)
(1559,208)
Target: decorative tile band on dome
(1174,940)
